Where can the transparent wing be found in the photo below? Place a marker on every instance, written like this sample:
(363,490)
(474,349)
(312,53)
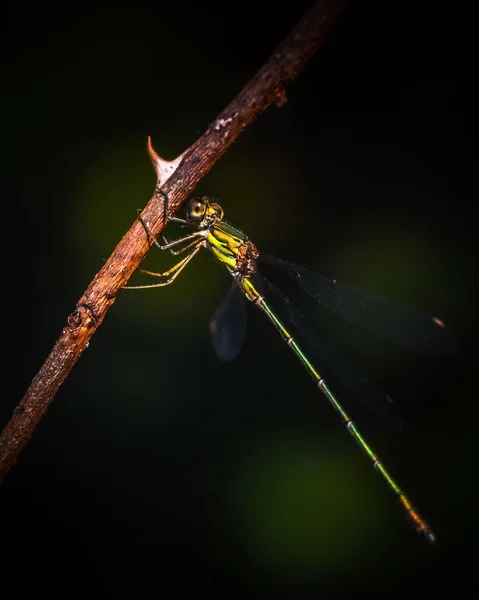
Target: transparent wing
(228,324)
(335,367)
(374,314)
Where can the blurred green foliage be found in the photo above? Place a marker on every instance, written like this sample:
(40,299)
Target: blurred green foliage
(158,468)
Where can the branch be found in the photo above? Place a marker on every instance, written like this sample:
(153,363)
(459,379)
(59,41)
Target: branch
(176,179)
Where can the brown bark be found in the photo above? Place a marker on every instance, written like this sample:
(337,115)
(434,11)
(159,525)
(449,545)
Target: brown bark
(266,87)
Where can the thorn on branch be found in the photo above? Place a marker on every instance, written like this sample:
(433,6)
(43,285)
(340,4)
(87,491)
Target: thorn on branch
(164,169)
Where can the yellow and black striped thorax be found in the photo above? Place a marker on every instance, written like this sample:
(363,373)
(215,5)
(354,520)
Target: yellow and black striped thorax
(230,245)
(232,248)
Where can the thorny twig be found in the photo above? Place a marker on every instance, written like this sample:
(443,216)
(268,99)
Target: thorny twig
(176,180)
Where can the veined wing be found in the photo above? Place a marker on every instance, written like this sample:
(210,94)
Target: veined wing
(335,367)
(228,324)
(374,314)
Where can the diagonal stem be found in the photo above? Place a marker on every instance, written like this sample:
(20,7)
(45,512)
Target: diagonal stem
(267,86)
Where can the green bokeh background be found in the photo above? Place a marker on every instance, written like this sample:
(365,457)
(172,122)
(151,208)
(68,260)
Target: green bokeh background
(159,470)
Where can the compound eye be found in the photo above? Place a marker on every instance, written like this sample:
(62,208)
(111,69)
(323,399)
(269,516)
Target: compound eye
(218,211)
(196,209)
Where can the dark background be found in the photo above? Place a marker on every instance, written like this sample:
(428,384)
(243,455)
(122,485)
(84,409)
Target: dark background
(158,469)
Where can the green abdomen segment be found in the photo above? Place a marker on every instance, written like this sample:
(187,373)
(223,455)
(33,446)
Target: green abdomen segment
(251,292)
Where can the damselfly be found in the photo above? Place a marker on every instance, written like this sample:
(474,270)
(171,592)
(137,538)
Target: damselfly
(374,314)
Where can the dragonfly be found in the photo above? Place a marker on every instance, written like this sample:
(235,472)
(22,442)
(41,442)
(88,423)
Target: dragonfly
(374,314)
